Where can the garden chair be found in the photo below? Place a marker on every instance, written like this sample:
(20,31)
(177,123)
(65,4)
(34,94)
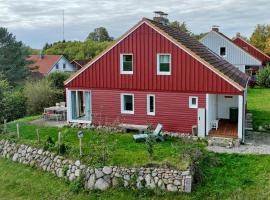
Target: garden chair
(156,134)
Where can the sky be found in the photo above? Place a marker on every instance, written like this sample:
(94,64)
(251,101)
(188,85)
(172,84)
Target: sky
(36,22)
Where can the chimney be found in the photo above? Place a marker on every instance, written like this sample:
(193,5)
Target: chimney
(238,35)
(161,17)
(215,28)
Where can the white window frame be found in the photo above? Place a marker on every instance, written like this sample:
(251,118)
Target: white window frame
(148,105)
(190,102)
(123,106)
(121,63)
(225,51)
(158,64)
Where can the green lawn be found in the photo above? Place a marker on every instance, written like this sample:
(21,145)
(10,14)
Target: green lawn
(259,106)
(236,177)
(124,151)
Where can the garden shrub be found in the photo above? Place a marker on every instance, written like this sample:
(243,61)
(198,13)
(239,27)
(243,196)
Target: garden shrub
(63,148)
(263,77)
(12,102)
(57,79)
(49,143)
(15,105)
(39,95)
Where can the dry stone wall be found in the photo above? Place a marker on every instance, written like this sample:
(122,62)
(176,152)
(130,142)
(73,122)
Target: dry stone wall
(98,178)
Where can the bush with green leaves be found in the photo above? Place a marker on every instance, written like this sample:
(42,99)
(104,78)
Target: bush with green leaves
(40,95)
(12,102)
(263,77)
(49,144)
(57,79)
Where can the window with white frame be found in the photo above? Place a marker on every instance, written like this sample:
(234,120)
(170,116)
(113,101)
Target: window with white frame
(127,103)
(151,104)
(64,65)
(222,51)
(164,64)
(193,102)
(57,66)
(126,63)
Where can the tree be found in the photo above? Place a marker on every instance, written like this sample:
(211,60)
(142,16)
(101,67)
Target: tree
(99,35)
(180,26)
(77,49)
(198,36)
(259,36)
(13,56)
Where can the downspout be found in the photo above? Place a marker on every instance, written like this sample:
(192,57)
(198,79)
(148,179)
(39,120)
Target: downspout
(245,109)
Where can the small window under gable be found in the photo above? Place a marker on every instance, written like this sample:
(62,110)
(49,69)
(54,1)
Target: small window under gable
(151,105)
(164,64)
(64,65)
(126,64)
(57,66)
(127,103)
(193,102)
(222,51)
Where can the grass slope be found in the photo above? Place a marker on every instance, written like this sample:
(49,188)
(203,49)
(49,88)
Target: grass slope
(236,177)
(259,106)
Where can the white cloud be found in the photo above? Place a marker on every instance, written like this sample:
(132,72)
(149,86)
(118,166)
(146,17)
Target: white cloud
(39,21)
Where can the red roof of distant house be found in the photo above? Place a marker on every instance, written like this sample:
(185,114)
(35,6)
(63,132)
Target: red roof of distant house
(43,64)
(264,58)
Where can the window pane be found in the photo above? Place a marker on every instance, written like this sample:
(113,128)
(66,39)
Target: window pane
(127,66)
(193,101)
(164,59)
(151,104)
(127,62)
(164,67)
(128,103)
(222,51)
(127,57)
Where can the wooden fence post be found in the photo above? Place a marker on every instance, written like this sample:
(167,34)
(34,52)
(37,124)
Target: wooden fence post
(59,141)
(18,130)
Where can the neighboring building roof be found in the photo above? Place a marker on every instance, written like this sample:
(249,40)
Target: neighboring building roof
(205,53)
(43,64)
(80,63)
(213,61)
(245,45)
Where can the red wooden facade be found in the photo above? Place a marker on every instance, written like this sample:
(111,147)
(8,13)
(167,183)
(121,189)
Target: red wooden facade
(252,50)
(189,77)
(172,109)
(188,74)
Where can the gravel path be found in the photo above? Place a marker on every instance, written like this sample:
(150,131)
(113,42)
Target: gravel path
(243,149)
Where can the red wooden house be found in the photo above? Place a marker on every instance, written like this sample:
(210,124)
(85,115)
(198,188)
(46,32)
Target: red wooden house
(156,74)
(260,55)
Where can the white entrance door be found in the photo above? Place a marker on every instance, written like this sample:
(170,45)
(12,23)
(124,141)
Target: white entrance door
(201,122)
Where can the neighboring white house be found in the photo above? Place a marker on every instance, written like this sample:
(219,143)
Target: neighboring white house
(46,64)
(224,47)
